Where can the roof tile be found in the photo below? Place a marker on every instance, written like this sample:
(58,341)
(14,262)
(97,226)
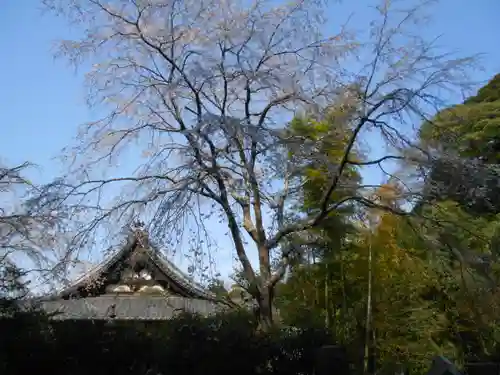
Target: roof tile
(127,307)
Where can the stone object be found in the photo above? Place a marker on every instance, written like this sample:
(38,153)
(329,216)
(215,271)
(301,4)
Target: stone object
(442,366)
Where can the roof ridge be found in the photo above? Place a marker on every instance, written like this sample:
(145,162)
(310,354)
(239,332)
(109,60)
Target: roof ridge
(127,244)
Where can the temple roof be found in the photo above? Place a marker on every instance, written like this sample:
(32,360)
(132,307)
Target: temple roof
(137,242)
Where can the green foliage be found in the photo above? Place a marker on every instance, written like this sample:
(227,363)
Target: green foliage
(330,134)
(488,93)
(468,139)
(409,328)
(471,128)
(429,281)
(11,288)
(427,297)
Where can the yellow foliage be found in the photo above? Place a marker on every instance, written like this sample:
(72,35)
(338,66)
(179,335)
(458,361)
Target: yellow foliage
(405,325)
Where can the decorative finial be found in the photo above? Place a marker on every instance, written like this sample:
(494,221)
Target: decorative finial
(139,224)
(140,233)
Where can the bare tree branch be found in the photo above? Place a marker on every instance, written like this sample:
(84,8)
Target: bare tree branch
(28,237)
(205,91)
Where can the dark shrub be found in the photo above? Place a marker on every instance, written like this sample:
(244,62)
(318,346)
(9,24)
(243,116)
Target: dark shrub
(187,345)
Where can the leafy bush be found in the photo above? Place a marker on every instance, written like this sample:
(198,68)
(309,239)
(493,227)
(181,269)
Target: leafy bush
(189,344)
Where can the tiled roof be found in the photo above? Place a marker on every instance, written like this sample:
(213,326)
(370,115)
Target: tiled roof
(127,307)
(164,264)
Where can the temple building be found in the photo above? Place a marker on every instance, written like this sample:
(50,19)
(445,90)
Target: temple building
(136,283)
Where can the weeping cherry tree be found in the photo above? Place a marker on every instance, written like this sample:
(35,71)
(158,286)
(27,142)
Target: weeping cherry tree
(204,91)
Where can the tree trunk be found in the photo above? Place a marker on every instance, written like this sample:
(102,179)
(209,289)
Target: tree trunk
(328,310)
(265,309)
(368,319)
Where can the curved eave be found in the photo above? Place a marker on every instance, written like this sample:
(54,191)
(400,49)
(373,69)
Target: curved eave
(96,271)
(170,269)
(181,278)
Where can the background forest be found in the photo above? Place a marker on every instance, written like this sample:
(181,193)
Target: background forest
(361,202)
(403,288)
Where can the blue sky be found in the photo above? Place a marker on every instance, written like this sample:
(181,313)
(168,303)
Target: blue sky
(42,99)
